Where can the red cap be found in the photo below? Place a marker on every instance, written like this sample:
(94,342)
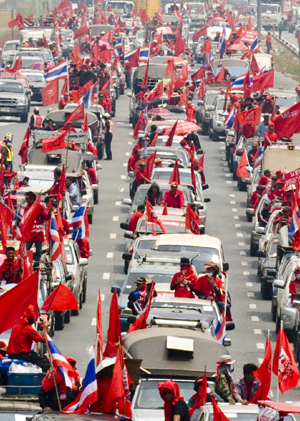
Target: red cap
(174,184)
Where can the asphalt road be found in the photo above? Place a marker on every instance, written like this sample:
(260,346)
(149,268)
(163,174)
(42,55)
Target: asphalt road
(290,37)
(226,220)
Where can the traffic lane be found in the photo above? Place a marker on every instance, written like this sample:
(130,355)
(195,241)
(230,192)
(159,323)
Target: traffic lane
(107,243)
(290,37)
(227,221)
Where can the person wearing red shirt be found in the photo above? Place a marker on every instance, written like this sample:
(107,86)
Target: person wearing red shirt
(37,233)
(135,217)
(282,219)
(154,48)
(265,179)
(272,189)
(54,190)
(295,284)
(13,265)
(280,192)
(269,42)
(63,102)
(173,198)
(141,95)
(256,196)
(270,136)
(91,172)
(209,286)
(140,176)
(105,102)
(91,148)
(135,157)
(248,130)
(21,338)
(182,280)
(139,145)
(84,247)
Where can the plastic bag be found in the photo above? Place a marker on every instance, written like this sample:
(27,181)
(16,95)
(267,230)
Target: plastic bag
(25,368)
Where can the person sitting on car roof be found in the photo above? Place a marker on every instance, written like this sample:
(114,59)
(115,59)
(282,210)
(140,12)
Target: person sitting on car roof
(295,284)
(209,286)
(256,196)
(138,298)
(264,214)
(182,280)
(265,178)
(13,265)
(173,198)
(36,120)
(246,387)
(175,407)
(197,396)
(154,194)
(224,382)
(135,217)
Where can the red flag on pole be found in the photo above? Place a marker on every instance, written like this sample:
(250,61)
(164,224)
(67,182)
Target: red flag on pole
(24,147)
(182,78)
(218,413)
(247,85)
(171,134)
(17,66)
(263,374)
(179,46)
(242,171)
(141,321)
(140,125)
(50,93)
(152,217)
(250,116)
(206,47)
(54,142)
(201,395)
(28,220)
(99,329)
(114,329)
(14,303)
(77,114)
(201,91)
(153,143)
(249,24)
(156,92)
(134,59)
(171,68)
(149,165)
(254,66)
(199,74)
(78,93)
(288,123)
(200,33)
(263,81)
(80,32)
(175,177)
(192,220)
(145,80)
(61,299)
(284,365)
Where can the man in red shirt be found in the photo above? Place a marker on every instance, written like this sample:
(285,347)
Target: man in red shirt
(298,39)
(91,172)
(295,284)
(209,286)
(135,157)
(154,48)
(173,198)
(265,179)
(280,192)
(270,136)
(13,265)
(248,130)
(37,233)
(272,189)
(140,176)
(63,102)
(139,145)
(21,338)
(182,280)
(135,217)
(269,42)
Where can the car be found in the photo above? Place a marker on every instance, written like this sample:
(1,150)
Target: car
(284,99)
(58,416)
(37,83)
(67,42)
(235,66)
(202,113)
(78,267)
(238,412)
(268,231)
(14,99)
(256,229)
(267,267)
(25,82)
(216,126)
(10,49)
(243,144)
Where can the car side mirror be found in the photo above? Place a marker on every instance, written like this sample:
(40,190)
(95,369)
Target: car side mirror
(278,283)
(99,167)
(131,319)
(28,92)
(129,234)
(115,288)
(260,230)
(227,342)
(211,108)
(250,211)
(127,202)
(199,151)
(231,144)
(69,277)
(207,200)
(124,225)
(239,153)
(225,266)
(126,256)
(131,174)
(129,94)
(75,208)
(230,326)
(83,261)
(200,103)
(260,253)
(205,186)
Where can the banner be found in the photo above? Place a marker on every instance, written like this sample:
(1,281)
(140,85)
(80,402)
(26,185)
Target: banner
(292,177)
(266,414)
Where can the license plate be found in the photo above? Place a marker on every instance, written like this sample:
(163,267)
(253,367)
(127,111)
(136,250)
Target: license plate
(5,109)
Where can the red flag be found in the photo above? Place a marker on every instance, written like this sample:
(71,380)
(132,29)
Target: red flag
(171,68)
(284,365)
(134,59)
(28,219)
(116,391)
(249,24)
(85,127)
(143,15)
(141,321)
(263,374)
(4,224)
(242,171)
(75,54)
(183,102)
(263,81)
(78,93)
(80,32)
(218,413)
(220,76)
(99,329)
(54,142)
(182,78)
(247,85)
(200,33)
(114,329)
(201,395)
(62,185)
(179,46)
(140,125)
(152,217)
(149,164)
(50,93)
(156,92)
(158,38)
(201,91)
(199,74)
(165,211)
(175,177)
(206,47)
(192,220)
(24,147)
(227,93)
(14,303)
(77,114)
(171,134)
(254,66)
(153,143)
(145,80)
(250,116)
(201,162)
(65,88)
(105,86)
(17,66)
(46,45)
(288,123)
(61,299)
(1,177)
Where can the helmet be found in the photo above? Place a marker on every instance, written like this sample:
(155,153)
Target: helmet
(36,109)
(8,136)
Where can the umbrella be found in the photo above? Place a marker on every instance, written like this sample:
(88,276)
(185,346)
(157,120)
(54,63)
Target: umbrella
(104,43)
(37,66)
(160,112)
(183,128)
(237,47)
(175,109)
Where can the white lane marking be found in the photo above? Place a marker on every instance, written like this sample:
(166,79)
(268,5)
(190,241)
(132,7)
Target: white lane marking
(94,321)
(257,332)
(118,203)
(249,284)
(115,218)
(229,182)
(127,154)
(242,253)
(122,189)
(260,361)
(236,217)
(246,273)
(237,225)
(113,236)
(232,195)
(224,163)
(234,209)
(255,319)
(102,297)
(241,244)
(123,177)
(260,345)
(125,164)
(109,255)
(252,306)
(224,159)
(5,124)
(232,202)
(244,263)
(106,275)
(250,294)
(239,234)
(228,175)
(129,143)
(222,147)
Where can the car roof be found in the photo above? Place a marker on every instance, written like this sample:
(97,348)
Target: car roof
(180,300)
(237,408)
(154,267)
(179,218)
(188,239)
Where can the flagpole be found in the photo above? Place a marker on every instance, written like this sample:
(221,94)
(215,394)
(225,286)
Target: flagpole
(3,203)
(280,341)
(52,371)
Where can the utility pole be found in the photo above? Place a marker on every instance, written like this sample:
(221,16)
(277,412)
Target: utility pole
(259,17)
(36,8)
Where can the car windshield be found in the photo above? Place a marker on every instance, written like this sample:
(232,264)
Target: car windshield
(16,416)
(158,278)
(185,177)
(170,227)
(203,254)
(11,46)
(29,61)
(234,416)
(285,101)
(34,77)
(31,54)
(140,35)
(221,104)
(210,99)
(140,195)
(68,255)
(148,396)
(14,87)
(269,8)
(48,54)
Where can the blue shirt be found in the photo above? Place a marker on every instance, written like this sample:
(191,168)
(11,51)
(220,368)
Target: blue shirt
(74,193)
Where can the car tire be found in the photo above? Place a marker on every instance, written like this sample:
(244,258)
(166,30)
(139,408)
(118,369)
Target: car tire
(277,323)
(130,119)
(75,312)
(215,136)
(239,184)
(265,293)
(84,289)
(273,310)
(96,197)
(59,321)
(234,176)
(52,327)
(126,266)
(90,218)
(24,118)
(204,129)
(253,249)
(67,317)
(122,91)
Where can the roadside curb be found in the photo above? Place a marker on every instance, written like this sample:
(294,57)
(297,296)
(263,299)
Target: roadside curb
(287,44)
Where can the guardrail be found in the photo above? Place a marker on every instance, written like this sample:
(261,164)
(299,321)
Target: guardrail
(287,44)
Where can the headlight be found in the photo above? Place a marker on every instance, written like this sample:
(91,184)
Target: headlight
(286,318)
(21,101)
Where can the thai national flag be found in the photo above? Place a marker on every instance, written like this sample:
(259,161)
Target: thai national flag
(119,46)
(79,219)
(229,120)
(88,393)
(129,54)
(221,328)
(2,68)
(60,71)
(65,368)
(254,45)
(239,82)
(208,59)
(16,224)
(89,96)
(144,54)
(55,249)
(295,223)
(221,45)
(258,157)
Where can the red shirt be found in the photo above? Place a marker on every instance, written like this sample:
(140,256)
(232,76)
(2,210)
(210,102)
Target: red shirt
(139,177)
(268,38)
(203,285)
(183,290)
(134,220)
(21,339)
(37,233)
(173,200)
(248,130)
(62,103)
(14,275)
(281,194)
(132,161)
(84,248)
(272,138)
(104,404)
(92,175)
(264,180)
(55,188)
(295,287)
(271,193)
